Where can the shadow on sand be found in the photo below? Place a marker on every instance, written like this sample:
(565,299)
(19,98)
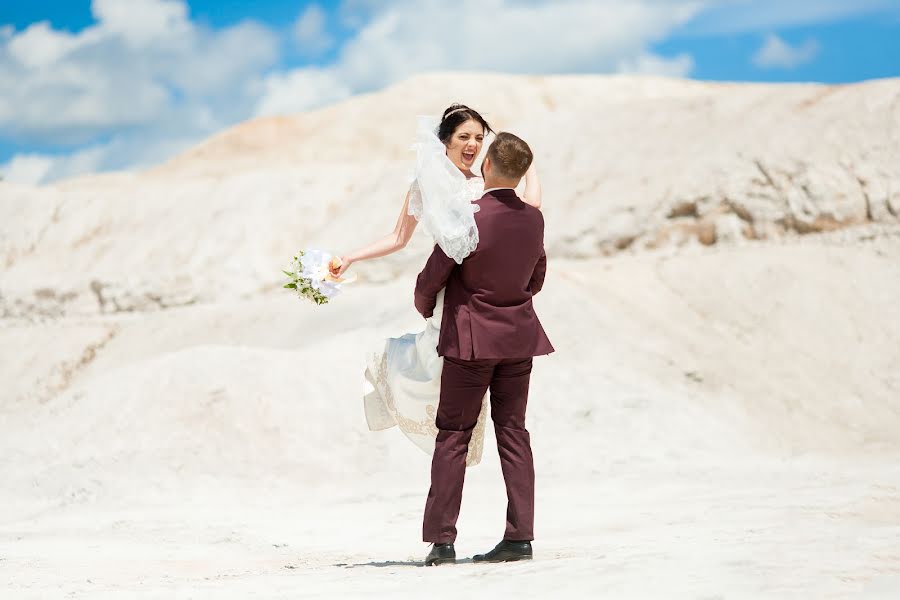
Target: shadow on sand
(396,563)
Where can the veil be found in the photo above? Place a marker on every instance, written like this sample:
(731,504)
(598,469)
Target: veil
(440,196)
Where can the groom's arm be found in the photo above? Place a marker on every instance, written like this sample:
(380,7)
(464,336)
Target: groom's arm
(537,277)
(432,280)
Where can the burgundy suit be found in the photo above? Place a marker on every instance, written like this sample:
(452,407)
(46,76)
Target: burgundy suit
(489,334)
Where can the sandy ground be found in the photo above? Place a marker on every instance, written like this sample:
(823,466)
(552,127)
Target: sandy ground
(771,530)
(190,459)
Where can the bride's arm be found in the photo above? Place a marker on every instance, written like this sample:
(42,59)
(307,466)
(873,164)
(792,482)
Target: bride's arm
(532,193)
(389,244)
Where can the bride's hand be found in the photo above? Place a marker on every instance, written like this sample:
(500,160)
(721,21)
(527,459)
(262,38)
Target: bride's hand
(532,194)
(339,266)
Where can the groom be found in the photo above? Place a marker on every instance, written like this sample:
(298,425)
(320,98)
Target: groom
(489,334)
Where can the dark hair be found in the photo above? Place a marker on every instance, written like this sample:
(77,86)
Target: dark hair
(456,115)
(510,155)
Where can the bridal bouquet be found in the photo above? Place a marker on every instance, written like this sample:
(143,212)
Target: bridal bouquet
(310,275)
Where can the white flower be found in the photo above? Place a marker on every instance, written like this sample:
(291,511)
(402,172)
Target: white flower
(329,289)
(311,276)
(315,266)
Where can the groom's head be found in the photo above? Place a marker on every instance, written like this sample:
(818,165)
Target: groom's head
(506,161)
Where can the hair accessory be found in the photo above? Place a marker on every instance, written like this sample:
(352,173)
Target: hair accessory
(454,111)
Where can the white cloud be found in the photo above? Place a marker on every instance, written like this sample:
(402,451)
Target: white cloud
(142,21)
(146,80)
(40,46)
(300,89)
(742,16)
(310,30)
(142,65)
(651,64)
(512,36)
(26,168)
(776,53)
(120,153)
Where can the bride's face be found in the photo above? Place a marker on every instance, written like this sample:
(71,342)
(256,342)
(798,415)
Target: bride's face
(465,144)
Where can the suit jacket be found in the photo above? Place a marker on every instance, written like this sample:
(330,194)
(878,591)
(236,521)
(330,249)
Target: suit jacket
(488,311)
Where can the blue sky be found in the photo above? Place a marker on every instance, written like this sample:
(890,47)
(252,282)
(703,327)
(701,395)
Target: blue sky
(94,85)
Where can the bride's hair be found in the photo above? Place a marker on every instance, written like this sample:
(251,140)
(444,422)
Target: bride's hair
(456,115)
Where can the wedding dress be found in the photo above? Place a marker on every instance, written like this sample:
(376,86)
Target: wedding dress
(403,374)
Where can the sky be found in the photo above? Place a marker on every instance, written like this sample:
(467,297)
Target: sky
(98,85)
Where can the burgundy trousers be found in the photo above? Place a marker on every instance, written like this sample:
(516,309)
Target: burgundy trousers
(463,385)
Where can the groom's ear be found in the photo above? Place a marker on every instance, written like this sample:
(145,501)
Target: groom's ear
(485,166)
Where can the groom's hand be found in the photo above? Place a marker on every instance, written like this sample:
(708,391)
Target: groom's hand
(537,277)
(424,305)
(431,280)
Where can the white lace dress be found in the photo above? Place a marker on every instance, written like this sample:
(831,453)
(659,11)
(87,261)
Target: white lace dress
(403,381)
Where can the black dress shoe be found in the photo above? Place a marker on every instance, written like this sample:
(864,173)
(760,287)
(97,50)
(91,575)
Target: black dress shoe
(441,554)
(506,551)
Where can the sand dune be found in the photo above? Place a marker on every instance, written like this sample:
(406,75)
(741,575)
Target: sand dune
(720,418)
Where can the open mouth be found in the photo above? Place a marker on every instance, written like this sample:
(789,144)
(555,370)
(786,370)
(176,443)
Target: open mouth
(468,156)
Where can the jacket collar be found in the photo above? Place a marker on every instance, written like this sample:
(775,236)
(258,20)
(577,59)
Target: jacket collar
(503,194)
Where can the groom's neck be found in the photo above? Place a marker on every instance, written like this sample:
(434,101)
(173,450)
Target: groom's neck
(500,182)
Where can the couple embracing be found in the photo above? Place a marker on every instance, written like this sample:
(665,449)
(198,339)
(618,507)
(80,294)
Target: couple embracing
(481,332)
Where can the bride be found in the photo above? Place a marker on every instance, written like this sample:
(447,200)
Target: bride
(403,375)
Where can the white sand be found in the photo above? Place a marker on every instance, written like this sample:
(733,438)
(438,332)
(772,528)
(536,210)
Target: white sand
(718,422)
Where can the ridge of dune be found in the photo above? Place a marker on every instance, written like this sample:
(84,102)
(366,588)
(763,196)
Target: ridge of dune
(630,164)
